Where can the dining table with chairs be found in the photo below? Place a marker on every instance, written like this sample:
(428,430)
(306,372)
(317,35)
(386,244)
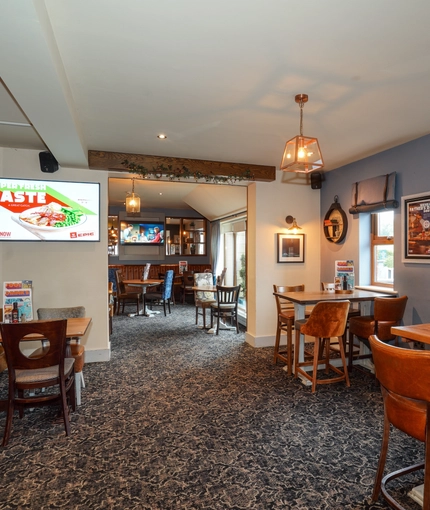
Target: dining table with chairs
(304,299)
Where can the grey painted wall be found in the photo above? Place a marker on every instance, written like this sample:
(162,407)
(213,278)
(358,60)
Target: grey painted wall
(412,167)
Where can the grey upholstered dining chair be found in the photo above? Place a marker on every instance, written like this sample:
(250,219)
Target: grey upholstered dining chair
(77,350)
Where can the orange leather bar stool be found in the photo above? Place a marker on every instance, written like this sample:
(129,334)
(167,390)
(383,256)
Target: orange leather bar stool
(387,312)
(405,384)
(327,320)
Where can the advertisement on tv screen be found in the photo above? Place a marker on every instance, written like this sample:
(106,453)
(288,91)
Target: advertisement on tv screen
(147,233)
(35,210)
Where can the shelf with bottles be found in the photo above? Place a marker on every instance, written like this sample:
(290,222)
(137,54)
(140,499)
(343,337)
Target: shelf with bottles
(185,236)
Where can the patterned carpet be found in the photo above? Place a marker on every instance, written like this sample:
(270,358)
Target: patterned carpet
(179,419)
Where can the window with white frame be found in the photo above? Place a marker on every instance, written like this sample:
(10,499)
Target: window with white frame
(382,248)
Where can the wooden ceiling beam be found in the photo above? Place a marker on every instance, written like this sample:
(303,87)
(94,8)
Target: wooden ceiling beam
(103,160)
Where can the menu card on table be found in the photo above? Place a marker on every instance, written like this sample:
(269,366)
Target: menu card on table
(18,292)
(344,268)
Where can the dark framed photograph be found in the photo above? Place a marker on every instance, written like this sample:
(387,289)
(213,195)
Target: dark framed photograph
(416,228)
(291,247)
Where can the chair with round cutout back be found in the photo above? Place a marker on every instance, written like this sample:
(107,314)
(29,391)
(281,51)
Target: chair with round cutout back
(49,369)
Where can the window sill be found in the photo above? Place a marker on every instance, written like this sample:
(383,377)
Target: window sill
(374,288)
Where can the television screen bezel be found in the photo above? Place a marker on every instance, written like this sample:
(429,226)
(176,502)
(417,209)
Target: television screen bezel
(138,222)
(39,236)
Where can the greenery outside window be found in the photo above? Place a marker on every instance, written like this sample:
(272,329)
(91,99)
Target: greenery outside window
(382,248)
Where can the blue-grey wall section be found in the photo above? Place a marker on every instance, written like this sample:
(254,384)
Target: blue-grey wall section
(412,167)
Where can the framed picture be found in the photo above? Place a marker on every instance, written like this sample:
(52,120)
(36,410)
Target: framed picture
(416,228)
(291,247)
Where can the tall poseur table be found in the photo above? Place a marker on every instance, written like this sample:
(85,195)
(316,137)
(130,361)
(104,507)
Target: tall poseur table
(305,298)
(150,282)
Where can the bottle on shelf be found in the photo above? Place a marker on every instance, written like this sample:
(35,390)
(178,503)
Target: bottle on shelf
(15,313)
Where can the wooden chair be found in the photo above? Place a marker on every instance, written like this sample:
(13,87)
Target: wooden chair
(354,311)
(285,323)
(225,306)
(406,407)
(50,369)
(187,284)
(327,320)
(77,350)
(123,296)
(203,299)
(162,297)
(387,312)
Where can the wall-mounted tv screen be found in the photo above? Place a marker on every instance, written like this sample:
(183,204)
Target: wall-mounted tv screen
(144,232)
(43,210)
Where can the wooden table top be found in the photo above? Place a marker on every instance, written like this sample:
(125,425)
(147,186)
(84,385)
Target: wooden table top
(417,332)
(149,282)
(312,297)
(205,288)
(76,327)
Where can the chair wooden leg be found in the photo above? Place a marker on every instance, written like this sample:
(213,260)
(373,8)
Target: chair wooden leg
(350,350)
(8,425)
(315,365)
(65,408)
(382,459)
(277,342)
(217,323)
(342,355)
(290,348)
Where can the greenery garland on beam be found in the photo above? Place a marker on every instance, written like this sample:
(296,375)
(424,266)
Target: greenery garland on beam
(180,173)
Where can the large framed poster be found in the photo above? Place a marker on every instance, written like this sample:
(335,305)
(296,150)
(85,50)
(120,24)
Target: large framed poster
(416,228)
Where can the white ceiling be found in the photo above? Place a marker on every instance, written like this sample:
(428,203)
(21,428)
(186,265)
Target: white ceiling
(218,78)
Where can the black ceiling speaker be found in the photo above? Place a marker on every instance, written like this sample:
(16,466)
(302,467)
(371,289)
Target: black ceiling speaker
(316,180)
(48,163)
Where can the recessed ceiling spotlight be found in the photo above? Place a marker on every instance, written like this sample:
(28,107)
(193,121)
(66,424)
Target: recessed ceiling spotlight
(161,136)
(160,194)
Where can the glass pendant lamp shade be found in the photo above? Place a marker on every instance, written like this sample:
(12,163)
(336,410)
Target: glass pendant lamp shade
(302,153)
(132,202)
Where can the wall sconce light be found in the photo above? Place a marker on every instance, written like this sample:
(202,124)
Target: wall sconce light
(302,154)
(292,221)
(132,202)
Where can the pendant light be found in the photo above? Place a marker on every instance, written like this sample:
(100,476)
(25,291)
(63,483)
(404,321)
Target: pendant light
(302,154)
(132,202)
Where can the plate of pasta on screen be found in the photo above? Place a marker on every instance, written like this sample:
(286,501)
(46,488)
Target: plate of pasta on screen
(52,217)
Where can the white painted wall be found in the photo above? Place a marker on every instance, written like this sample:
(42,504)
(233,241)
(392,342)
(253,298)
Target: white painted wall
(63,274)
(268,205)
